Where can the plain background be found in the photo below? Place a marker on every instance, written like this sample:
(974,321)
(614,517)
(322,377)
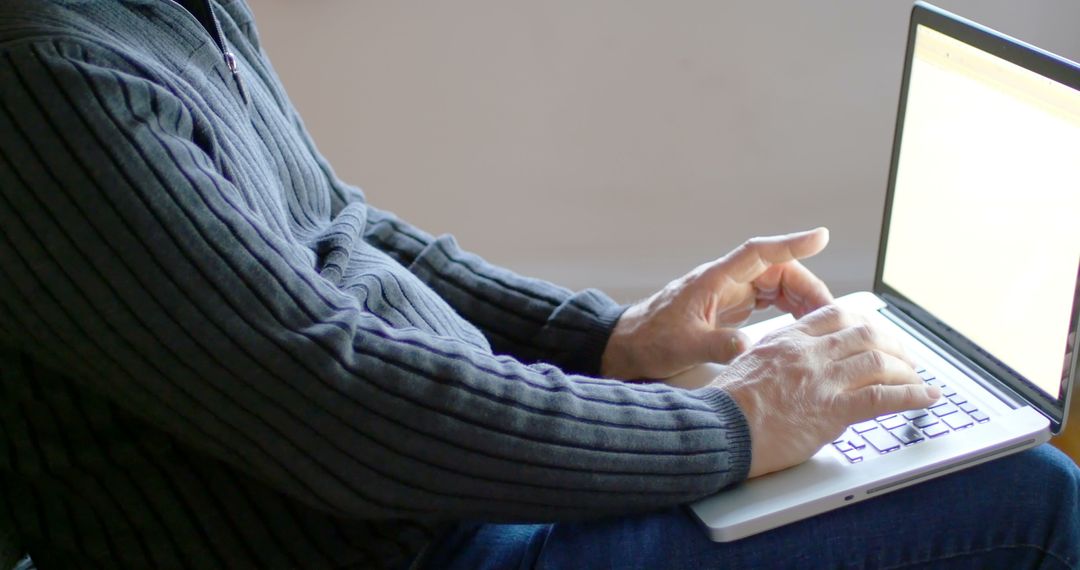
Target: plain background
(618,143)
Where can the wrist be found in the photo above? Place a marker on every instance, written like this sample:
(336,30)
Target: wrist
(620,356)
(749,404)
(748,400)
(593,315)
(738,436)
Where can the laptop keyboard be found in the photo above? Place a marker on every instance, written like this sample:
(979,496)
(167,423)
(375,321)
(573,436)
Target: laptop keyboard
(892,432)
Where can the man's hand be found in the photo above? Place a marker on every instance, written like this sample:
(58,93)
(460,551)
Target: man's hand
(801,386)
(692,320)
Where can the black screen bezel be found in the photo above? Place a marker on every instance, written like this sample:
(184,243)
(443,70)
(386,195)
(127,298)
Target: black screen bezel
(1038,61)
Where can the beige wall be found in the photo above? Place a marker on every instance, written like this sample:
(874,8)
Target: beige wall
(617,143)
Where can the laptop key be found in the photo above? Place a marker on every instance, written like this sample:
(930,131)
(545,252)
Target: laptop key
(908,435)
(857,442)
(935,430)
(843,446)
(957,421)
(914,414)
(881,440)
(957,399)
(864,426)
(853,456)
(979,416)
(925,421)
(968,407)
(893,422)
(945,410)
(943,401)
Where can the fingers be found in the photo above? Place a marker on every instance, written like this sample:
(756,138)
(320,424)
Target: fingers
(756,255)
(792,288)
(861,337)
(878,399)
(875,367)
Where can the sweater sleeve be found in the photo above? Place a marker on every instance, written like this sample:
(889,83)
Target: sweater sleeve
(530,319)
(134,266)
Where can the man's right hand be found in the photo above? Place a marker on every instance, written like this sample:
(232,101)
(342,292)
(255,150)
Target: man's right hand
(801,386)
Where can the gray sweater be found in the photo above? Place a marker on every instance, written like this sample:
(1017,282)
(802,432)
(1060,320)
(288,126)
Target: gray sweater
(217,354)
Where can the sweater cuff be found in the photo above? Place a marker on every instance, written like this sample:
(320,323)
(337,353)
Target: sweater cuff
(737,430)
(595,316)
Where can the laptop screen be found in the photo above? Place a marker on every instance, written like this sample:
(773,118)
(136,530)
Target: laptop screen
(983,230)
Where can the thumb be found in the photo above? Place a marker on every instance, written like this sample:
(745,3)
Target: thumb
(723,345)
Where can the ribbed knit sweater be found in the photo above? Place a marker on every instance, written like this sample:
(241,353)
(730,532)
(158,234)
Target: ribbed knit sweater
(217,354)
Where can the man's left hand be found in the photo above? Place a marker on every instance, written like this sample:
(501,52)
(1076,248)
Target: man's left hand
(694,318)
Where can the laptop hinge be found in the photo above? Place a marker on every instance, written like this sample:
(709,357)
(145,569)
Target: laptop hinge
(962,363)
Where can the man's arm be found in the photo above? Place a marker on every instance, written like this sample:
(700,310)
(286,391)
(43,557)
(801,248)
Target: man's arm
(530,319)
(133,265)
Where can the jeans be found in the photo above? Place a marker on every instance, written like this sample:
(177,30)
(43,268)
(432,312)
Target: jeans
(1020,511)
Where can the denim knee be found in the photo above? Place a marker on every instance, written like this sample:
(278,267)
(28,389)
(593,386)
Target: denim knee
(1044,493)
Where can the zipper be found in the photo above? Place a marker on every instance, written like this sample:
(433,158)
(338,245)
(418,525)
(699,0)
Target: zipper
(218,37)
(230,58)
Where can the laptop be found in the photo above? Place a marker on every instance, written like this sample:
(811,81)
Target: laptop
(977,273)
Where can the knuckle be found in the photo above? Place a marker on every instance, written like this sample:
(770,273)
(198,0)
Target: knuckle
(866,334)
(831,311)
(875,396)
(745,248)
(877,359)
(834,313)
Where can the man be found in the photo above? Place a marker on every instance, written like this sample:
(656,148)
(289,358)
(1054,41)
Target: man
(217,354)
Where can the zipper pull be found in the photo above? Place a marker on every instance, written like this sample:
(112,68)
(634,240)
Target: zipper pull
(234,67)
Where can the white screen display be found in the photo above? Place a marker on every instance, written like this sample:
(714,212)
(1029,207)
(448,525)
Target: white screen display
(985,225)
